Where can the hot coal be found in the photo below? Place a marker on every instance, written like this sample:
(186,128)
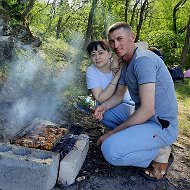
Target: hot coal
(65,144)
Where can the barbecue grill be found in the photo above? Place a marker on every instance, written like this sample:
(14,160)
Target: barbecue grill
(45,135)
(50,152)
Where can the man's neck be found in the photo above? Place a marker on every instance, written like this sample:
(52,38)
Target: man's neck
(128,57)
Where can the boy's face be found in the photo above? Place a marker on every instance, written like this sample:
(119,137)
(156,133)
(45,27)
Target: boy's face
(101,57)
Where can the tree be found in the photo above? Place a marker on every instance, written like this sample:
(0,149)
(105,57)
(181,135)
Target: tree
(127,2)
(89,26)
(18,12)
(58,28)
(176,8)
(81,19)
(52,14)
(24,17)
(28,8)
(142,13)
(133,12)
(186,45)
(59,25)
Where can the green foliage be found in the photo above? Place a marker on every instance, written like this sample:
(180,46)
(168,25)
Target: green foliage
(157,28)
(14,9)
(166,41)
(44,20)
(38,18)
(57,51)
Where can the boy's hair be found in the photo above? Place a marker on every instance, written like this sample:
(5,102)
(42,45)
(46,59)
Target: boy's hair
(94,46)
(119,25)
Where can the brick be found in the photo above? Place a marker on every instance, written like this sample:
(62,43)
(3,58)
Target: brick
(24,168)
(73,161)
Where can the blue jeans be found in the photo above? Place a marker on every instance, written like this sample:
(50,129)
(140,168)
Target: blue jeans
(137,145)
(117,115)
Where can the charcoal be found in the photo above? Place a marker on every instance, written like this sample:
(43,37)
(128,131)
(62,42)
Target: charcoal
(64,145)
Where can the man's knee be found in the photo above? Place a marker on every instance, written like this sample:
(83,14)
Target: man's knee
(113,152)
(108,153)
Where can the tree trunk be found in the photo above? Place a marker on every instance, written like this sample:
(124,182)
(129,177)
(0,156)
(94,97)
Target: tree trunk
(126,10)
(104,33)
(89,26)
(58,31)
(52,14)
(133,13)
(58,27)
(24,17)
(176,8)
(143,8)
(186,45)
(28,8)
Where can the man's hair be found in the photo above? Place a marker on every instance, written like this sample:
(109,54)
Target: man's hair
(119,25)
(94,46)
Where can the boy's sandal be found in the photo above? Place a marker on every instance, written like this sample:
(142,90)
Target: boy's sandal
(153,173)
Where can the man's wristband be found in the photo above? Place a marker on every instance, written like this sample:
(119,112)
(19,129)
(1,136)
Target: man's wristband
(113,84)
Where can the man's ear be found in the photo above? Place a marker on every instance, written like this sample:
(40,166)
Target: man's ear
(133,36)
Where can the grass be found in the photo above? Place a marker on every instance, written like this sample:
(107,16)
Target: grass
(183,98)
(60,55)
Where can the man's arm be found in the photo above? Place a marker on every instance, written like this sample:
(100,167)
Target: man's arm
(141,115)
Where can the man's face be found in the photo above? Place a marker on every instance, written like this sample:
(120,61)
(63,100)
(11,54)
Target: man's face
(121,42)
(100,58)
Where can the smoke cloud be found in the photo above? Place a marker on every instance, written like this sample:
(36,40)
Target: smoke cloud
(32,91)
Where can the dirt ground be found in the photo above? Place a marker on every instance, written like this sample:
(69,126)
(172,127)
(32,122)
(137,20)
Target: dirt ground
(96,173)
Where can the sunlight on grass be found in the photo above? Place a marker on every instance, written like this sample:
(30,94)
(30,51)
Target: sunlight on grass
(183,98)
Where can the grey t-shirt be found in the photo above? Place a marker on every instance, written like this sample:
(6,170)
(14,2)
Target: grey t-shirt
(147,67)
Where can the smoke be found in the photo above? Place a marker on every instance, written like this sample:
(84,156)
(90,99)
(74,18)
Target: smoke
(33,89)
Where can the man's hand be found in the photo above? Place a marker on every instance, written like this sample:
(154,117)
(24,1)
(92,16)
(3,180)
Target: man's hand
(104,137)
(116,66)
(99,111)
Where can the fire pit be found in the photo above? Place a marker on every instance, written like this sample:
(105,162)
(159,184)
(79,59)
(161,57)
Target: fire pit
(41,154)
(45,135)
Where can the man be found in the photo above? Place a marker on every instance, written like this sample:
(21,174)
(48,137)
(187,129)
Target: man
(145,137)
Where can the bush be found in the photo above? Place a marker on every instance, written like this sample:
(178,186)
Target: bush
(167,42)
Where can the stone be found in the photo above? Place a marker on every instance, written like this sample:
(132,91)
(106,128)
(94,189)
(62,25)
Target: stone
(25,168)
(71,164)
